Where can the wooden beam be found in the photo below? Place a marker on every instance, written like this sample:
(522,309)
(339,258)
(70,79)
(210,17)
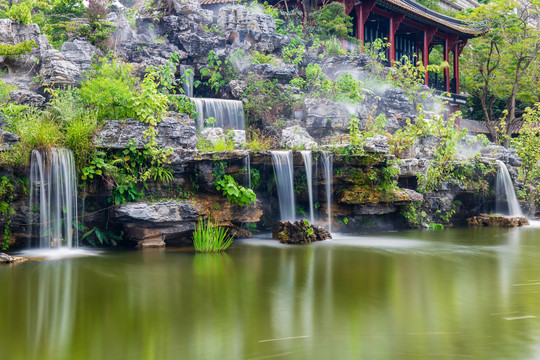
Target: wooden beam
(362,12)
(394,25)
(429,32)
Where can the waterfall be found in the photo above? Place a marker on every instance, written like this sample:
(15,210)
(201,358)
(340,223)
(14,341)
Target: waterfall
(328,170)
(306,155)
(247,165)
(505,195)
(228,113)
(53,192)
(283,168)
(187,79)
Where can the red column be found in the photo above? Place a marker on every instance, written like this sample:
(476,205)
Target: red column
(362,11)
(394,25)
(447,59)
(456,66)
(429,32)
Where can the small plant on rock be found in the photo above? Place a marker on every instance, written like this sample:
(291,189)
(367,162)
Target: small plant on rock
(210,237)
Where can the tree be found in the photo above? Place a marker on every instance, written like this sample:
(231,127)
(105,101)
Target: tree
(503,63)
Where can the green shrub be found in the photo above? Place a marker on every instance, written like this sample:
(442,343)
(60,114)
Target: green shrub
(331,20)
(10,51)
(110,89)
(210,237)
(260,58)
(235,193)
(22,11)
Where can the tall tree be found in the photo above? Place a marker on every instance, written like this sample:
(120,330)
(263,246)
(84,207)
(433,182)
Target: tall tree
(503,64)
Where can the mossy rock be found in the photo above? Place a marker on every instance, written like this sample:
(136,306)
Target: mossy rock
(368,195)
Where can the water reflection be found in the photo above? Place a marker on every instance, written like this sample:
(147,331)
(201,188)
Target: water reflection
(451,294)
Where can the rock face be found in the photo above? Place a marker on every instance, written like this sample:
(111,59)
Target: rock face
(325,118)
(298,232)
(26,97)
(377,145)
(8,139)
(497,220)
(80,53)
(367,195)
(153,224)
(282,72)
(296,137)
(176,132)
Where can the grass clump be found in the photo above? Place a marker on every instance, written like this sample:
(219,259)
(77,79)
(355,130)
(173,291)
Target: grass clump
(211,238)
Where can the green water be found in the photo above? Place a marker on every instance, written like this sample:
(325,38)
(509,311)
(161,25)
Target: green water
(453,294)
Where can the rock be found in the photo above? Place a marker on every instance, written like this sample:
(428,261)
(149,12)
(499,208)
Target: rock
(153,224)
(326,118)
(282,72)
(58,72)
(7,259)
(297,232)
(238,138)
(237,88)
(219,208)
(377,144)
(199,45)
(215,135)
(27,97)
(149,54)
(296,137)
(374,209)
(186,7)
(80,53)
(234,18)
(367,195)
(395,102)
(409,167)
(178,133)
(8,140)
(357,65)
(497,220)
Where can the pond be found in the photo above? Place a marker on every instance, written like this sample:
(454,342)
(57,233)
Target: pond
(451,294)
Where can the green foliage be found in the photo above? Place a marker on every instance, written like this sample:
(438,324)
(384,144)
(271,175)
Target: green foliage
(110,89)
(96,237)
(150,105)
(210,237)
(257,142)
(5,90)
(416,217)
(255,178)
(218,72)
(294,52)
(21,11)
(261,58)
(527,147)
(6,198)
(331,20)
(10,51)
(333,46)
(235,193)
(266,101)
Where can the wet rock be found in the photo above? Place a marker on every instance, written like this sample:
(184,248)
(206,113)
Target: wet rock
(374,209)
(7,259)
(296,137)
(497,220)
(377,144)
(298,232)
(367,195)
(176,132)
(153,224)
(27,97)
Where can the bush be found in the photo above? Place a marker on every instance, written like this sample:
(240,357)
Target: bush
(331,20)
(210,237)
(110,89)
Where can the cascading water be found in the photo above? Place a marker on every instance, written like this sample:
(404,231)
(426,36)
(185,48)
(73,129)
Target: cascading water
(283,168)
(53,193)
(328,170)
(506,201)
(306,155)
(247,165)
(187,77)
(228,113)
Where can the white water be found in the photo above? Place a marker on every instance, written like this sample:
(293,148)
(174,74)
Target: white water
(283,168)
(306,155)
(229,114)
(187,79)
(327,170)
(506,200)
(53,193)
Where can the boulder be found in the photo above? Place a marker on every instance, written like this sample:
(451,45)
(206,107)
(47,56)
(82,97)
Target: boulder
(224,212)
(198,45)
(234,18)
(80,53)
(177,132)
(299,232)
(215,135)
(497,220)
(58,72)
(296,137)
(8,259)
(360,195)
(153,224)
(8,140)
(282,72)
(27,97)
(237,88)
(325,118)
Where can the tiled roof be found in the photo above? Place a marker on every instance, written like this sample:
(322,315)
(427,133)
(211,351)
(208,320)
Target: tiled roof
(211,2)
(421,13)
